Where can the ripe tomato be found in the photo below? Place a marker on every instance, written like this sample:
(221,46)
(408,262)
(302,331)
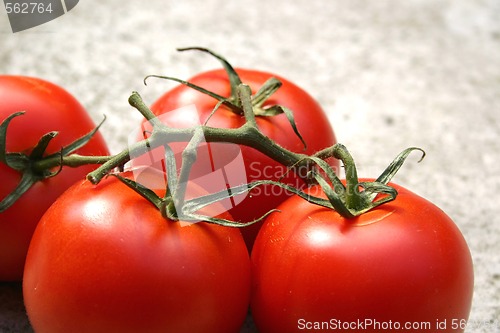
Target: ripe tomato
(103,259)
(48,108)
(311,121)
(400,266)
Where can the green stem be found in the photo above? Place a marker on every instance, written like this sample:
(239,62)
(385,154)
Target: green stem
(353,199)
(137,102)
(247,135)
(348,200)
(115,161)
(73,160)
(244,94)
(189,155)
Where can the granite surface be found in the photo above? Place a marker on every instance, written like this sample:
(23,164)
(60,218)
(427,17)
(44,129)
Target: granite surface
(390,74)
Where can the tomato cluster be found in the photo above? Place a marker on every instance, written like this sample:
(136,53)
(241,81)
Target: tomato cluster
(119,256)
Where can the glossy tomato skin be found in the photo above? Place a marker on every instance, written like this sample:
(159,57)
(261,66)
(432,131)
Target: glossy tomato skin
(404,263)
(311,121)
(48,108)
(104,260)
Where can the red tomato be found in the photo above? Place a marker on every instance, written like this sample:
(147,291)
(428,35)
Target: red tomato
(402,266)
(48,108)
(103,259)
(310,119)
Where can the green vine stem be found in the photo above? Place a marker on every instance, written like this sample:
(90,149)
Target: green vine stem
(350,199)
(347,199)
(248,134)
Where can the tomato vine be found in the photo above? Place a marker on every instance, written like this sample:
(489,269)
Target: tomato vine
(351,199)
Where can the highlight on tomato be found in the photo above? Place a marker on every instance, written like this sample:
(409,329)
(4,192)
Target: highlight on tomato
(30,111)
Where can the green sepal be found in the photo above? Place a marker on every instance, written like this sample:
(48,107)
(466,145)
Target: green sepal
(267,90)
(337,202)
(234,78)
(188,210)
(225,101)
(348,200)
(80,142)
(28,179)
(194,205)
(145,192)
(371,191)
(229,223)
(41,146)
(32,166)
(278,109)
(16,161)
(397,163)
(233,102)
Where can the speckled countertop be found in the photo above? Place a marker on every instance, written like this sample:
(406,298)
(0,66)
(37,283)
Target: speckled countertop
(390,74)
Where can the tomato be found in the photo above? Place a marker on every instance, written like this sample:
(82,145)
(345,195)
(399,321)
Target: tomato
(311,121)
(401,266)
(103,259)
(48,108)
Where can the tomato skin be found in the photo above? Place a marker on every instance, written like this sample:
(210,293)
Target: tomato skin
(311,121)
(48,108)
(104,260)
(403,262)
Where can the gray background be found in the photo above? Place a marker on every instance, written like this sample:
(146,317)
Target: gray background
(390,74)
